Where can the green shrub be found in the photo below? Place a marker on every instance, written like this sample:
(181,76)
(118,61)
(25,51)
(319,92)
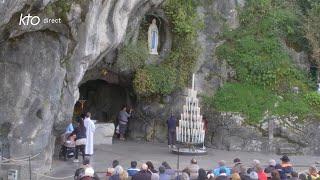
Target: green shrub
(264,70)
(183,16)
(133,56)
(154,80)
(174,72)
(185,50)
(252,101)
(313,99)
(293,104)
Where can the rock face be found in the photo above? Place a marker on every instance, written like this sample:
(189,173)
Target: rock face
(42,65)
(150,118)
(104,133)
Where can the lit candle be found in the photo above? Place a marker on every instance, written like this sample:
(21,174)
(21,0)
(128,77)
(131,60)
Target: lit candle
(177,133)
(203,135)
(192,81)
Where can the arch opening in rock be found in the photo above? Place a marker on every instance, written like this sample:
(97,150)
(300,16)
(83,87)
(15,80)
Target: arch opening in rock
(102,99)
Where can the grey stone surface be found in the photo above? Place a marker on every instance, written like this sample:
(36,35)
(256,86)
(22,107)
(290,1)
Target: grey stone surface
(104,133)
(43,65)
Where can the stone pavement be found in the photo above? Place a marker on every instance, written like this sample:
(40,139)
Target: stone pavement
(156,152)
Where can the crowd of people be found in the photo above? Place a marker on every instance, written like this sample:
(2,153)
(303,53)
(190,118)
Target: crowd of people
(82,136)
(238,171)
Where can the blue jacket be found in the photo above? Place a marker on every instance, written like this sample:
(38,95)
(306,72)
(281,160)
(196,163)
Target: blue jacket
(285,170)
(216,171)
(132,171)
(172,123)
(69,128)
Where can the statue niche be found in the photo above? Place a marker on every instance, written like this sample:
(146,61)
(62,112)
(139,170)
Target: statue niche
(153,37)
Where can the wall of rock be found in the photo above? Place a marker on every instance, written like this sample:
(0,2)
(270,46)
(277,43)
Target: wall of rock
(42,65)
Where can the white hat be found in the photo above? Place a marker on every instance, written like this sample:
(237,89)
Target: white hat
(254,175)
(89,172)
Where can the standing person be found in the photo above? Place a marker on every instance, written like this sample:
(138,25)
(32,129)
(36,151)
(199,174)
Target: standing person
(123,121)
(171,122)
(90,127)
(286,167)
(80,133)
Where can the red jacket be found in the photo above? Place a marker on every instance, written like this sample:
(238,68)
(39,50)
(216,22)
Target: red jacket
(262,175)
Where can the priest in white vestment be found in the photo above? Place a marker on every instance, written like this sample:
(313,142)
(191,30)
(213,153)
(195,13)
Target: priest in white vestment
(90,128)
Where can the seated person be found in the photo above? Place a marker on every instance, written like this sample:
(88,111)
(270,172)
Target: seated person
(133,169)
(222,165)
(69,128)
(85,171)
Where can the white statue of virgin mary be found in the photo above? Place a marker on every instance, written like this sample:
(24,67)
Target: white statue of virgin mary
(153,36)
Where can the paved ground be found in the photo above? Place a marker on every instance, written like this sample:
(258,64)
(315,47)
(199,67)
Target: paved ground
(142,152)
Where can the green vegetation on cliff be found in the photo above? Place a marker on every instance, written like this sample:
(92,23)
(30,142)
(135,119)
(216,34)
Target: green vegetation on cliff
(175,70)
(265,74)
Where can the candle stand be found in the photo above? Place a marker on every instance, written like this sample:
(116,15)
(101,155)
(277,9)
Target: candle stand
(190,133)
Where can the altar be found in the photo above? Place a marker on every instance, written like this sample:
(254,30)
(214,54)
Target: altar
(103,133)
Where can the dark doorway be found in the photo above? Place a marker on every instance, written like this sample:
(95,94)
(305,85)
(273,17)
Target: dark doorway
(102,99)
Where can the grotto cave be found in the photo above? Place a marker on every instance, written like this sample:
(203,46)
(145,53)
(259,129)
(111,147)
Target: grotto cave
(102,99)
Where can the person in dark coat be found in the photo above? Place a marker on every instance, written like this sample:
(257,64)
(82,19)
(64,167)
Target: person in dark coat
(133,169)
(80,133)
(171,122)
(143,174)
(202,174)
(286,168)
(275,175)
(151,167)
(270,168)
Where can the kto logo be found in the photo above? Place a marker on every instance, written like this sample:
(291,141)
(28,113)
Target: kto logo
(25,20)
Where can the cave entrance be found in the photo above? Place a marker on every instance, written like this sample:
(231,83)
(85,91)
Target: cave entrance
(102,99)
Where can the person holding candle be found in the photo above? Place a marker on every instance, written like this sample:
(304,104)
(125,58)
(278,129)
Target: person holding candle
(171,122)
(123,121)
